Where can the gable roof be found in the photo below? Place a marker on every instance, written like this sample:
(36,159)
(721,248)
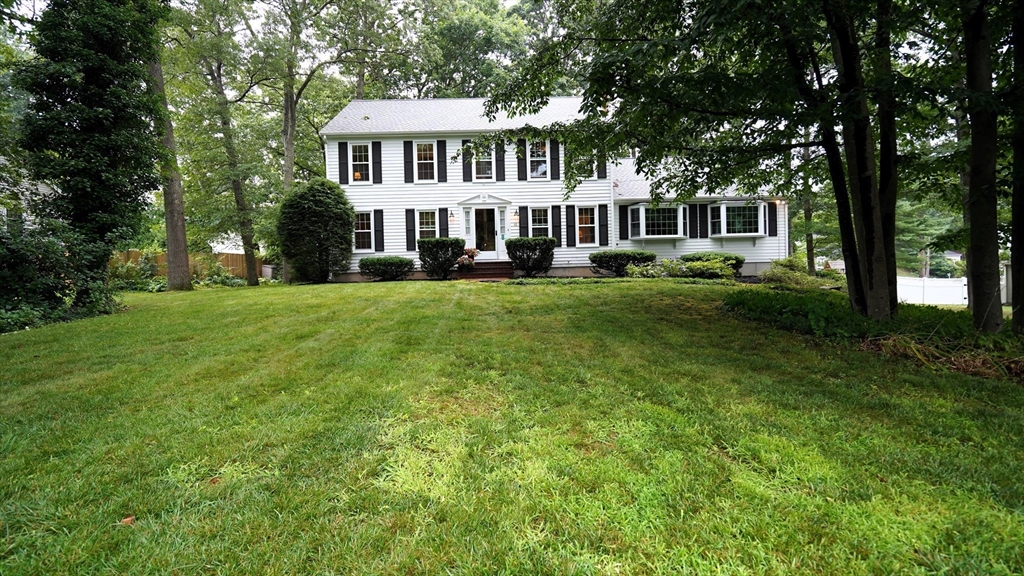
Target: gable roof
(440,115)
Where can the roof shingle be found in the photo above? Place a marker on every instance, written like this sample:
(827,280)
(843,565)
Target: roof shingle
(440,115)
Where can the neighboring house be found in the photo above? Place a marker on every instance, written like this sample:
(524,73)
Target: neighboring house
(393,158)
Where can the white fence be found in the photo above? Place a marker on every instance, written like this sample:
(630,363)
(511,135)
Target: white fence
(932,290)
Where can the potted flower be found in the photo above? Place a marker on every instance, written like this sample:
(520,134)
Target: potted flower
(465,262)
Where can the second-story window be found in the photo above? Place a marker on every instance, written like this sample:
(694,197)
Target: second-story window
(425,162)
(539,160)
(483,165)
(360,163)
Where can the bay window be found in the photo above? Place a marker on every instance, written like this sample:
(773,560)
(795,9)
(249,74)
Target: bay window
(739,219)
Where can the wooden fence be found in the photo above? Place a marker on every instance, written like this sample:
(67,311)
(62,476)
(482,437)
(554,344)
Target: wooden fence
(235,263)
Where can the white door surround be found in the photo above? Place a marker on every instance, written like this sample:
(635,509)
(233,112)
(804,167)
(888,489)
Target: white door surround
(485,225)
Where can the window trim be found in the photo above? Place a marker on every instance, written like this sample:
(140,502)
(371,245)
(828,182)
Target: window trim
(547,161)
(492,178)
(369,164)
(437,223)
(416,161)
(722,207)
(682,223)
(579,227)
(547,210)
(354,232)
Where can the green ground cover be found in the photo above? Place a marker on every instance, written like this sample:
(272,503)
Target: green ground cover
(426,428)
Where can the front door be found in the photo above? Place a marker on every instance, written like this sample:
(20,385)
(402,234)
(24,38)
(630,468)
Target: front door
(486,232)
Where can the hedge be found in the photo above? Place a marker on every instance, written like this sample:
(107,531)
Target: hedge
(386,267)
(438,256)
(735,261)
(614,262)
(532,256)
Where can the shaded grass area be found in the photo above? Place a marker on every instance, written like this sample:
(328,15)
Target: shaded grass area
(423,427)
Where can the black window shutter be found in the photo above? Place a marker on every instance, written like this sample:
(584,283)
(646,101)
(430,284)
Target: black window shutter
(524,221)
(691,212)
(499,162)
(773,219)
(378,172)
(702,220)
(442,161)
(378,230)
(467,163)
(602,169)
(555,154)
(442,222)
(570,225)
(623,222)
(521,156)
(556,224)
(410,230)
(602,224)
(342,162)
(407,147)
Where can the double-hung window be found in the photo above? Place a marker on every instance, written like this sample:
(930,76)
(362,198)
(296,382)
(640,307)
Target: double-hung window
(364,231)
(661,222)
(538,157)
(360,162)
(427,224)
(426,165)
(483,165)
(739,219)
(539,223)
(586,224)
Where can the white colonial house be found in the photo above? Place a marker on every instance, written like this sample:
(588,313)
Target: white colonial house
(394,160)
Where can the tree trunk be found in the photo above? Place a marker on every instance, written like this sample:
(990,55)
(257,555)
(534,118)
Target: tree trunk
(360,78)
(1017,99)
(982,198)
(808,214)
(290,120)
(888,151)
(860,161)
(178,274)
(963,134)
(245,228)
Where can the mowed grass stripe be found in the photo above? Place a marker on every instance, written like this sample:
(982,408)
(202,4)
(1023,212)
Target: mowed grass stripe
(425,427)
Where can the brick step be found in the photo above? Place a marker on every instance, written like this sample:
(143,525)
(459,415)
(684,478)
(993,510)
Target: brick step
(489,270)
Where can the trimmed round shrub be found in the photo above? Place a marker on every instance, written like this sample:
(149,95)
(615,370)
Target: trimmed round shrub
(711,270)
(734,260)
(614,262)
(532,256)
(438,256)
(386,267)
(316,230)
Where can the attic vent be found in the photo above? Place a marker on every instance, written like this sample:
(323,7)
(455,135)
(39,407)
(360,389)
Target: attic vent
(366,117)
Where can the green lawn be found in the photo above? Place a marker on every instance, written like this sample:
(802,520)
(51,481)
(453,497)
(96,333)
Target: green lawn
(434,428)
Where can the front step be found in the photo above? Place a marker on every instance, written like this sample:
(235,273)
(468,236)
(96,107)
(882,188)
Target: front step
(489,270)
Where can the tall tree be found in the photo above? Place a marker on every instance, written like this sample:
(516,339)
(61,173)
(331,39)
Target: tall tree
(1017,108)
(982,198)
(218,74)
(90,126)
(178,274)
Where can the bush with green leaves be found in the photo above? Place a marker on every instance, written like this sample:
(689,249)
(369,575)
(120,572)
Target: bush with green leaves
(733,260)
(44,276)
(438,256)
(831,275)
(672,268)
(792,272)
(614,262)
(386,267)
(316,230)
(531,256)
